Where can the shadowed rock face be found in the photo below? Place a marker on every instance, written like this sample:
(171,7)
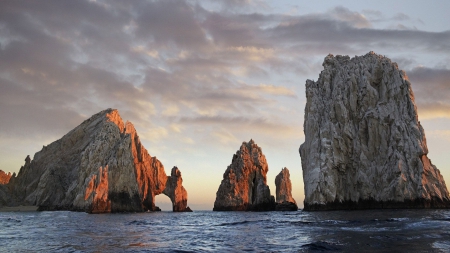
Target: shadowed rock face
(285,201)
(244,187)
(364,146)
(100,166)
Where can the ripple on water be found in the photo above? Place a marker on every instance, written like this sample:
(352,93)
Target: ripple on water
(226,231)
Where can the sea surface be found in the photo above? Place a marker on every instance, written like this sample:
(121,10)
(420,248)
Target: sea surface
(207,231)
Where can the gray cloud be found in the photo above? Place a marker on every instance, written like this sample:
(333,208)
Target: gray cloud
(343,14)
(431,88)
(74,58)
(170,22)
(251,124)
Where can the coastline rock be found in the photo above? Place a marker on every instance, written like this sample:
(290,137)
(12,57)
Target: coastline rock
(4,178)
(176,192)
(4,195)
(244,185)
(364,146)
(98,167)
(285,201)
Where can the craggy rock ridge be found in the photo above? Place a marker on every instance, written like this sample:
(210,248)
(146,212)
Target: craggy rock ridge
(244,187)
(4,178)
(364,146)
(285,201)
(99,167)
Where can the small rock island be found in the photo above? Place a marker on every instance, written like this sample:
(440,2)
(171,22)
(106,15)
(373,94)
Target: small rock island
(100,166)
(285,201)
(364,146)
(244,184)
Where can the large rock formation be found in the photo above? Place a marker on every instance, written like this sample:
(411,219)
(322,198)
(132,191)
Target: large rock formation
(4,178)
(364,146)
(100,166)
(244,187)
(285,201)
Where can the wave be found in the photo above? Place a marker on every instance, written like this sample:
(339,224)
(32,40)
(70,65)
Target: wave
(320,246)
(140,223)
(238,223)
(9,219)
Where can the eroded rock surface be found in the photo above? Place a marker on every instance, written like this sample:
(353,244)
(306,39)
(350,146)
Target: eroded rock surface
(244,186)
(364,146)
(100,166)
(4,177)
(285,201)
(176,192)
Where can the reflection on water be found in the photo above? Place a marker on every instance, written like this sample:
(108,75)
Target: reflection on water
(204,231)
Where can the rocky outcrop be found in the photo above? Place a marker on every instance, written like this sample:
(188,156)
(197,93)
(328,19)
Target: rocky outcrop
(4,195)
(4,178)
(285,201)
(100,166)
(176,192)
(244,187)
(364,146)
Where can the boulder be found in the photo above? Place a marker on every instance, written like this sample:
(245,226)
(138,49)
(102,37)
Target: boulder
(98,167)
(364,145)
(284,199)
(244,185)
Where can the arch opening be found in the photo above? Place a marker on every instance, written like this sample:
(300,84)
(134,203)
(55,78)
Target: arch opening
(163,202)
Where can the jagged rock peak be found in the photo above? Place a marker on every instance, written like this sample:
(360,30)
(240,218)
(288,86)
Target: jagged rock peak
(99,166)
(364,146)
(244,187)
(176,192)
(4,177)
(285,201)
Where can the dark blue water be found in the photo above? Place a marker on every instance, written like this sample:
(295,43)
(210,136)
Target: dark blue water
(206,231)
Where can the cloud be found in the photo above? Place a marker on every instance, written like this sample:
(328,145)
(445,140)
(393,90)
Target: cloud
(165,22)
(401,17)
(431,88)
(225,137)
(195,77)
(315,30)
(357,20)
(168,63)
(239,122)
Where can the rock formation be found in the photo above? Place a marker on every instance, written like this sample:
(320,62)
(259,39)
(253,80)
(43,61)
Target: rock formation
(4,178)
(285,201)
(364,146)
(176,192)
(100,166)
(244,187)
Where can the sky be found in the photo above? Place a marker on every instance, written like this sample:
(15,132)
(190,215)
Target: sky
(197,78)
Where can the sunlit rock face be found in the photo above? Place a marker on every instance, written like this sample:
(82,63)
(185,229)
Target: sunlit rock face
(98,167)
(4,177)
(176,192)
(285,201)
(364,146)
(244,186)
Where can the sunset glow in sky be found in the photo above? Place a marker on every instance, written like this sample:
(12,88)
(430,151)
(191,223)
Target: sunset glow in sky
(197,78)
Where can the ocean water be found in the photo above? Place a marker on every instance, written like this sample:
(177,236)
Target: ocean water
(207,231)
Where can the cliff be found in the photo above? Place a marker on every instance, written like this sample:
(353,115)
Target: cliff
(98,167)
(364,145)
(244,185)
